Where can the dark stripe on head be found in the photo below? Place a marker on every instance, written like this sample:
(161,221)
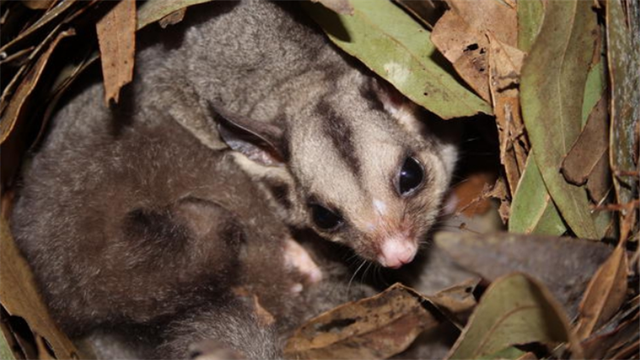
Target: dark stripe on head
(341,135)
(280,192)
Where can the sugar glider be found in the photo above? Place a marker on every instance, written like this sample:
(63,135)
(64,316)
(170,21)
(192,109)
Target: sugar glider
(363,167)
(130,223)
(116,211)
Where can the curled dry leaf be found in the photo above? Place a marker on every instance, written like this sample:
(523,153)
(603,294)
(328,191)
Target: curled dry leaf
(461,37)
(155,10)
(373,328)
(38,4)
(611,337)
(589,148)
(16,105)
(396,47)
(49,17)
(116,37)
(497,17)
(504,64)
(173,18)
(466,48)
(605,294)
(564,265)
(457,301)
(514,310)
(20,296)
(552,88)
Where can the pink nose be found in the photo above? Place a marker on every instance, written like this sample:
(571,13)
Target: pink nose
(396,252)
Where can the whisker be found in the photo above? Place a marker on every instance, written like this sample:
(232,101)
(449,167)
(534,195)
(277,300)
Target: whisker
(353,277)
(366,270)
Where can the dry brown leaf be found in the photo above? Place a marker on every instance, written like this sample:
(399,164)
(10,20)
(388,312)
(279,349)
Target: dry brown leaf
(457,301)
(600,346)
(372,328)
(18,58)
(599,183)
(173,18)
(499,191)
(46,19)
(630,351)
(19,295)
(590,146)
(43,351)
(116,37)
(565,265)
(504,64)
(15,107)
(629,221)
(472,199)
(494,16)
(465,48)
(604,295)
(38,4)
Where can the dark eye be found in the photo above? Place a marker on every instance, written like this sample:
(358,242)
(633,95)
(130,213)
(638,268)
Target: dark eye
(411,176)
(324,218)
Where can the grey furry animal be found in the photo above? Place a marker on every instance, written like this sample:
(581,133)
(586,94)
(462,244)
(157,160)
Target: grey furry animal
(362,167)
(130,223)
(138,227)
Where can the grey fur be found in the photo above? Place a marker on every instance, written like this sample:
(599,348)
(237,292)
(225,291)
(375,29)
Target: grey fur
(115,214)
(344,136)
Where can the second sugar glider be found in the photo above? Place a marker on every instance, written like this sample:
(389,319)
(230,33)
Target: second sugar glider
(363,166)
(136,233)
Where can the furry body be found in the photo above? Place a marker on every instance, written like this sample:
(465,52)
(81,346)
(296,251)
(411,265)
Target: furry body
(130,222)
(343,137)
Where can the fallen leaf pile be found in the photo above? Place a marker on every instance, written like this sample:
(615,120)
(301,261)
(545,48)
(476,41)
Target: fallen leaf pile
(559,81)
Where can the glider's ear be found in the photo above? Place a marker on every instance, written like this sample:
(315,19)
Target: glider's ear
(261,142)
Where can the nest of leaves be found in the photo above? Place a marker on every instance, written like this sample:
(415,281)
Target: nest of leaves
(560,80)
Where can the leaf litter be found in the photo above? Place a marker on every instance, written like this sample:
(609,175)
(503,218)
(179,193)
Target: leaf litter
(116,37)
(531,188)
(515,310)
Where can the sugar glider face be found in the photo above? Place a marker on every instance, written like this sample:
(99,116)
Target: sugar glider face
(364,170)
(369,179)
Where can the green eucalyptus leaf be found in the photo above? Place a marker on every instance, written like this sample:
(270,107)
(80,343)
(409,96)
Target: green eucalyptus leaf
(530,16)
(399,49)
(593,90)
(514,310)
(552,90)
(532,210)
(5,349)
